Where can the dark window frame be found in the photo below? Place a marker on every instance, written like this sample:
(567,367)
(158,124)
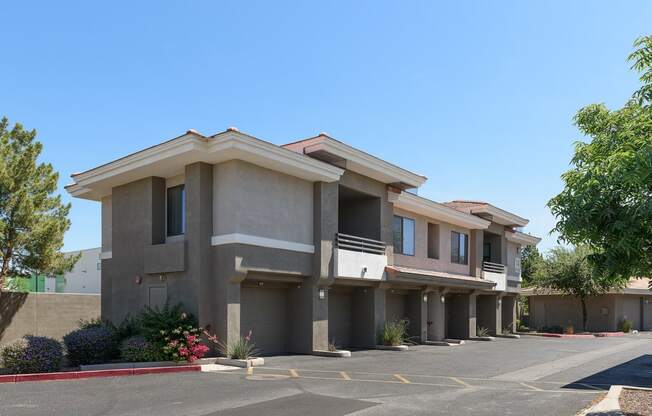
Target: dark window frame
(175,226)
(457,256)
(399,235)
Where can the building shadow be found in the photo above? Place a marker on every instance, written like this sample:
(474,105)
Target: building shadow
(636,372)
(10,304)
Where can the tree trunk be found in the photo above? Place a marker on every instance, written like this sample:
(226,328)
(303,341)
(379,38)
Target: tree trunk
(583,300)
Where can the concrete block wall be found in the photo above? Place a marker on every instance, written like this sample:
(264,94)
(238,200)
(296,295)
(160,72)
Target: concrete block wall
(47,314)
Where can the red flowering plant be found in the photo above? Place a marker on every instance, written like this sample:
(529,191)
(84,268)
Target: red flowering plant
(173,333)
(184,343)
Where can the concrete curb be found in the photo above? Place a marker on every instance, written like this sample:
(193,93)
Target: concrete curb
(392,347)
(336,354)
(252,362)
(455,341)
(147,364)
(482,339)
(75,375)
(511,336)
(442,343)
(610,405)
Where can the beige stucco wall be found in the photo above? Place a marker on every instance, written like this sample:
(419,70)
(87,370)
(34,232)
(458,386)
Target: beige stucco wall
(47,314)
(513,259)
(420,259)
(251,200)
(560,310)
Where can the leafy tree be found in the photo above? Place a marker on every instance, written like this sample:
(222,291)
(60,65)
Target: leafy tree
(568,271)
(607,200)
(531,262)
(32,219)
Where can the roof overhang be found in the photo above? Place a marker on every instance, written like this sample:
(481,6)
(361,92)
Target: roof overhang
(435,210)
(499,216)
(333,151)
(431,277)
(522,238)
(170,158)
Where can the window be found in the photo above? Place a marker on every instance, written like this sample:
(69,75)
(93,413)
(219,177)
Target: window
(486,252)
(176,211)
(433,241)
(403,235)
(459,248)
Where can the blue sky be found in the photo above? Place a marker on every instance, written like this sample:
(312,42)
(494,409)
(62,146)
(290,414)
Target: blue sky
(478,96)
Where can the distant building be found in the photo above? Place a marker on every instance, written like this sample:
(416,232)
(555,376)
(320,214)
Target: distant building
(85,277)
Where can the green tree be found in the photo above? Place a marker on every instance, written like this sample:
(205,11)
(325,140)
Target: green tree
(32,219)
(568,271)
(607,200)
(531,263)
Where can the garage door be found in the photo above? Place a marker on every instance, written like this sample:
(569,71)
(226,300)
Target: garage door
(339,317)
(264,311)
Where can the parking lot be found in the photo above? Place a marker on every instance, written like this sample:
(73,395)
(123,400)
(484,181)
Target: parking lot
(532,375)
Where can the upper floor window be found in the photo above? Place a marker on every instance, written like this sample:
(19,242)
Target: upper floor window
(459,248)
(433,241)
(176,210)
(403,235)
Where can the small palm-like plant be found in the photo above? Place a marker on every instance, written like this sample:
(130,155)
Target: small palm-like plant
(242,348)
(394,333)
(482,332)
(332,346)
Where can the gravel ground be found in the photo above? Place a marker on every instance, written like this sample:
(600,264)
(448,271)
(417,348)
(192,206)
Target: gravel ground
(636,402)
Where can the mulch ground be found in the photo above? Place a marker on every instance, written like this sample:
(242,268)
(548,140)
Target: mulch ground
(636,402)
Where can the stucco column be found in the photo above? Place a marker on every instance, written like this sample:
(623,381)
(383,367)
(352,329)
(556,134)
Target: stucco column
(509,312)
(423,315)
(476,240)
(498,314)
(472,316)
(314,322)
(436,315)
(198,281)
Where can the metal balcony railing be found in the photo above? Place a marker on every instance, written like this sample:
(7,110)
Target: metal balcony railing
(360,244)
(490,267)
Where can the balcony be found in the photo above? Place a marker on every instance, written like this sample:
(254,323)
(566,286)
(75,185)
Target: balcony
(358,257)
(496,273)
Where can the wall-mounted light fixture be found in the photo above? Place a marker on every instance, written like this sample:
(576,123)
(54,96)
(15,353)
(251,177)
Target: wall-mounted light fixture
(261,283)
(139,280)
(425,298)
(322,294)
(500,301)
(442,298)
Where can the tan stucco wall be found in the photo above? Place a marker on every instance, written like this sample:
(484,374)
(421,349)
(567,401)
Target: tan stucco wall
(252,200)
(559,310)
(420,259)
(513,258)
(47,314)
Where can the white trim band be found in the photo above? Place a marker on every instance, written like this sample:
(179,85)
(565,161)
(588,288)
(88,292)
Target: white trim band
(106,255)
(252,240)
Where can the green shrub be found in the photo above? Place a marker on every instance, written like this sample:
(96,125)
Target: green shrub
(155,324)
(32,354)
(481,332)
(138,349)
(242,348)
(90,323)
(394,333)
(93,345)
(626,325)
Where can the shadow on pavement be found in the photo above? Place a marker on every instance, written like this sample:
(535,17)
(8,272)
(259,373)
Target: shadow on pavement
(636,372)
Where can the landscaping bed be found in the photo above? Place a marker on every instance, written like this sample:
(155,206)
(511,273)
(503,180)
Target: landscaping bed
(165,340)
(576,336)
(636,402)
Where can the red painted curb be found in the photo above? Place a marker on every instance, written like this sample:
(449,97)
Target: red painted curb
(45,376)
(10,378)
(74,375)
(160,370)
(105,373)
(610,334)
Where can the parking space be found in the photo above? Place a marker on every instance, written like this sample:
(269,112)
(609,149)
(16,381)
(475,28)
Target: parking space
(534,376)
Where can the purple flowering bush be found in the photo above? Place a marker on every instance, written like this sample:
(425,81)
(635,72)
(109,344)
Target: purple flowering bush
(138,349)
(92,345)
(32,354)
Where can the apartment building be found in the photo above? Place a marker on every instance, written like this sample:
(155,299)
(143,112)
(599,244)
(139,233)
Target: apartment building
(305,243)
